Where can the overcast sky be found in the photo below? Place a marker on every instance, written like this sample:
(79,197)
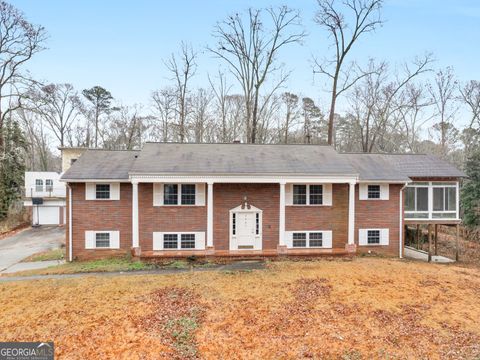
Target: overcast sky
(120,44)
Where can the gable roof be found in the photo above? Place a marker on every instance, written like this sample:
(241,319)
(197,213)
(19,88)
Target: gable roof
(101,165)
(253,159)
(168,158)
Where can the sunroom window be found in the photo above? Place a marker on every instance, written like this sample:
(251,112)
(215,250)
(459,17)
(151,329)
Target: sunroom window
(431,200)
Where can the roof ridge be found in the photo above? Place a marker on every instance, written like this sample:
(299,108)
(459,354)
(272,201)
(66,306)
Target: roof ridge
(231,143)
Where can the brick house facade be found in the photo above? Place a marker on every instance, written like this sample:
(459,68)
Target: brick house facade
(176,200)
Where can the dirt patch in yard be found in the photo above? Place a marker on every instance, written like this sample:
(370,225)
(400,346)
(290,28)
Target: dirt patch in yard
(365,308)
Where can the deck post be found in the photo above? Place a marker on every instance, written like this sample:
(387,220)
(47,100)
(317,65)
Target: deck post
(418,236)
(457,242)
(429,242)
(436,238)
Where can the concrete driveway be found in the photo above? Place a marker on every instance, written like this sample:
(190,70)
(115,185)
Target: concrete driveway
(15,248)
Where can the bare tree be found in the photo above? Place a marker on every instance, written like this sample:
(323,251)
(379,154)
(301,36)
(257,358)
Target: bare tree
(57,104)
(164,103)
(183,69)
(250,50)
(19,41)
(311,112)
(200,116)
(443,93)
(292,112)
(221,103)
(470,94)
(366,18)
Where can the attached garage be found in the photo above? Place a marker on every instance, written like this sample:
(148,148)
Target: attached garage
(46,215)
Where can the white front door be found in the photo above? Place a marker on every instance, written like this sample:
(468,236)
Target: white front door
(245,224)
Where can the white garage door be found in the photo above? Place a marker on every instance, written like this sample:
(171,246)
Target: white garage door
(47,215)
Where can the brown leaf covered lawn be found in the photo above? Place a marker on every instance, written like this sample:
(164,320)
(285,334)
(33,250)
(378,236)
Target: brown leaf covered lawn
(364,308)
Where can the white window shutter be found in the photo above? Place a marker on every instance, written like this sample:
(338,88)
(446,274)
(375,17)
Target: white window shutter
(363,192)
(90,191)
(288,194)
(89,239)
(200,194)
(200,240)
(327,194)
(158,241)
(157,194)
(384,236)
(114,239)
(115,191)
(327,239)
(384,191)
(362,237)
(288,239)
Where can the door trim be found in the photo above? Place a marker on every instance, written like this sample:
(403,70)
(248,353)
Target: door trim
(245,208)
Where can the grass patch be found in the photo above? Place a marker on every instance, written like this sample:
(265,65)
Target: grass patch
(53,254)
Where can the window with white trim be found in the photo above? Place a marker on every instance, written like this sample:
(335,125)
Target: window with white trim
(178,241)
(102,240)
(49,185)
(170,241)
(38,185)
(299,240)
(373,191)
(373,237)
(102,191)
(179,194)
(431,200)
(315,239)
(187,241)
(308,194)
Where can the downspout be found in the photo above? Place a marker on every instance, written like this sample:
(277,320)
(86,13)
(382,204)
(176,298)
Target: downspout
(70,242)
(400,228)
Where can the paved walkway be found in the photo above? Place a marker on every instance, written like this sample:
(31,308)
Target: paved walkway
(19,246)
(235,266)
(32,265)
(423,255)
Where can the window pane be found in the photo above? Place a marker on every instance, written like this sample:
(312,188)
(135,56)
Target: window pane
(102,240)
(373,237)
(234,224)
(102,191)
(316,194)
(299,240)
(300,194)
(409,199)
(374,191)
(48,185)
(257,223)
(188,194)
(438,199)
(39,185)
(422,199)
(170,241)
(451,201)
(315,239)
(170,194)
(188,241)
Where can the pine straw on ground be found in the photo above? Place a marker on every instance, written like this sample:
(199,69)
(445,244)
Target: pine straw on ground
(365,308)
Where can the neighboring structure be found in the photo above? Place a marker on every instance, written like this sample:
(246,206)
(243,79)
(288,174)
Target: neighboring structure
(174,200)
(45,197)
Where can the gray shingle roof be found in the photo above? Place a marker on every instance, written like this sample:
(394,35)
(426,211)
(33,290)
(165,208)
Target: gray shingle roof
(240,159)
(401,166)
(101,164)
(250,159)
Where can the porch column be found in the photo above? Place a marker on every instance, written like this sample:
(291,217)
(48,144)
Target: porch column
(281,217)
(210,215)
(351,214)
(135,242)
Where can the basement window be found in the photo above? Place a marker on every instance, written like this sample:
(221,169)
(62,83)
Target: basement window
(102,240)
(299,240)
(373,237)
(170,241)
(188,241)
(315,239)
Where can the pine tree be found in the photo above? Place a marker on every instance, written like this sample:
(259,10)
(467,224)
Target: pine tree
(471,191)
(12,165)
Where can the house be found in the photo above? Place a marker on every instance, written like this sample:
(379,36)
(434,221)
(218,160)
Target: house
(45,197)
(175,200)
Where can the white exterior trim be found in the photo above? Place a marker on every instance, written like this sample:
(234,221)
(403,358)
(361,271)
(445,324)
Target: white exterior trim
(384,237)
(90,239)
(281,216)
(135,242)
(326,239)
(258,238)
(351,214)
(210,215)
(157,239)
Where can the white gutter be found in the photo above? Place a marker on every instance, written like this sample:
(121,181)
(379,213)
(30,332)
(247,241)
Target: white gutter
(70,242)
(400,228)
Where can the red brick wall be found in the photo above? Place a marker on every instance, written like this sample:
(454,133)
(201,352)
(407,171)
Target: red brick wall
(166,218)
(100,215)
(266,197)
(333,217)
(379,214)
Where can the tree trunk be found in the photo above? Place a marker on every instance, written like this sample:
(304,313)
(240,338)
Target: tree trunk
(332,110)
